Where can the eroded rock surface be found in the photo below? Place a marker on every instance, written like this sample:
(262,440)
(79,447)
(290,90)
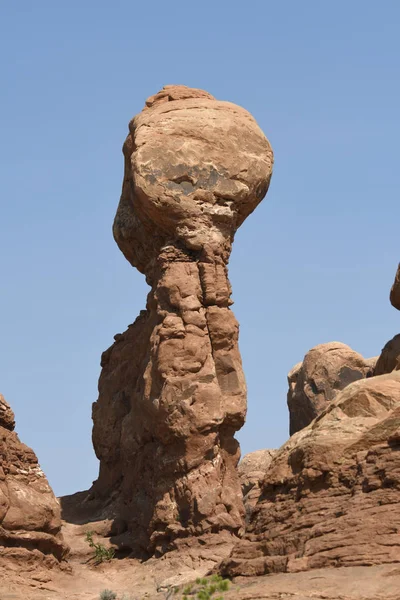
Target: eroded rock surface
(395,291)
(172,391)
(29,512)
(252,469)
(7,418)
(389,359)
(331,496)
(325,370)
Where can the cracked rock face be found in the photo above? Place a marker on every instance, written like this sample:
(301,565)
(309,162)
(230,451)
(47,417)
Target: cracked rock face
(29,512)
(326,370)
(172,391)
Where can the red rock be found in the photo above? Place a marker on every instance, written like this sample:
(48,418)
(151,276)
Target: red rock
(325,370)
(7,419)
(29,512)
(331,496)
(172,392)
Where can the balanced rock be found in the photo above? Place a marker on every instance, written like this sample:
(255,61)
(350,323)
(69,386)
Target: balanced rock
(395,291)
(29,512)
(325,370)
(172,392)
(331,496)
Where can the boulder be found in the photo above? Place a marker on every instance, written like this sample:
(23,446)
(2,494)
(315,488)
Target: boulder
(29,512)
(325,370)
(331,496)
(172,392)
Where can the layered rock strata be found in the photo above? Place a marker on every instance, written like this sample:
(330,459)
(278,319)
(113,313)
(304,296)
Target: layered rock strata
(326,370)
(29,512)
(331,496)
(172,392)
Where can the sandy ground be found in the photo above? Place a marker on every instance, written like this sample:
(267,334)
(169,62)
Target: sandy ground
(131,579)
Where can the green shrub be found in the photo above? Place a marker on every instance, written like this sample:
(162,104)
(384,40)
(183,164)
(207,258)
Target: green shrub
(107,595)
(101,554)
(205,588)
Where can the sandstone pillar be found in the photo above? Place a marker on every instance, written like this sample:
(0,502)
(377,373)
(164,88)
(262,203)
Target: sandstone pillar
(172,392)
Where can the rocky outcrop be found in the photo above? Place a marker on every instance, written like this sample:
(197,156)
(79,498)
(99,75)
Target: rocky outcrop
(395,291)
(389,359)
(29,512)
(252,469)
(325,370)
(7,417)
(331,496)
(172,391)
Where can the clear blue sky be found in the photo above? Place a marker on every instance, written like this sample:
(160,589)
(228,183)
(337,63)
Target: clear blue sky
(313,264)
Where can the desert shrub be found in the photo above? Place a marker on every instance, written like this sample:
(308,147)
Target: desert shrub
(107,595)
(101,553)
(205,588)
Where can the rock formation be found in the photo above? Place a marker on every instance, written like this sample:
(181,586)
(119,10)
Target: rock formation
(395,291)
(252,469)
(29,512)
(325,370)
(389,359)
(172,391)
(331,496)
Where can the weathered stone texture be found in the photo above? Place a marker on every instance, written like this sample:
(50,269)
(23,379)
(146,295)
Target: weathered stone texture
(252,469)
(325,370)
(29,512)
(331,496)
(172,391)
